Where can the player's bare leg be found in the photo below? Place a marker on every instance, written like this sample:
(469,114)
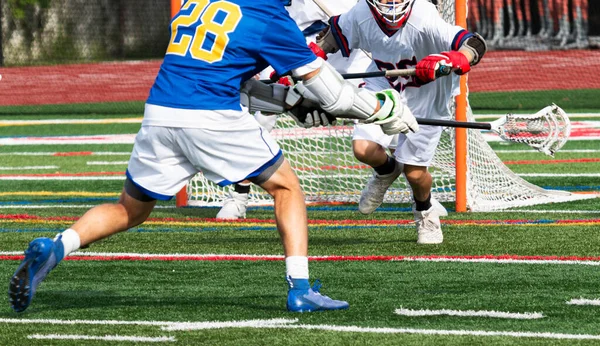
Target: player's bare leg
(43,254)
(292,224)
(427,211)
(385,171)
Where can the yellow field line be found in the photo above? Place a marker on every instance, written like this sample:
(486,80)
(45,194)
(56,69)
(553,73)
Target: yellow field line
(269,224)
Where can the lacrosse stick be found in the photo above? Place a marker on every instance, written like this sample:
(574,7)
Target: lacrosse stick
(546,131)
(442,70)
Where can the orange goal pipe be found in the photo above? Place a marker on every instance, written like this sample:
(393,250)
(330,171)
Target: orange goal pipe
(181,198)
(175,6)
(461,115)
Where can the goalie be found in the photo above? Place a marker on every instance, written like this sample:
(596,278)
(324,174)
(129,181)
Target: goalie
(405,34)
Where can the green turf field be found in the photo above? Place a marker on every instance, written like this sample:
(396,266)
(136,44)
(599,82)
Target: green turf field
(195,300)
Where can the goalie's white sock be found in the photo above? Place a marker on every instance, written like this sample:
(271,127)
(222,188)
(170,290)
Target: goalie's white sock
(296,267)
(70,240)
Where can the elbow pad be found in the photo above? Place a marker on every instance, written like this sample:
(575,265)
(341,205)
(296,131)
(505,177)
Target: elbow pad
(327,42)
(477,46)
(340,97)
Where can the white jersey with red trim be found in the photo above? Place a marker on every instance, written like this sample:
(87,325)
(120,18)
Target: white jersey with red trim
(306,12)
(424,33)
(312,18)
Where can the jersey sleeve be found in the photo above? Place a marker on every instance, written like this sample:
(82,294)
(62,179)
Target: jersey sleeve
(283,46)
(345,31)
(446,35)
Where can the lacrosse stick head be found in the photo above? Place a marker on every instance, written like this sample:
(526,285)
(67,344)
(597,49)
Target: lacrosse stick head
(546,131)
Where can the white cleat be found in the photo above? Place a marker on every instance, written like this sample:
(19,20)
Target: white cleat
(429,229)
(234,207)
(372,195)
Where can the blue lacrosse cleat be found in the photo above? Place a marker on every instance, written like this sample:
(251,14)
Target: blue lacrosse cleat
(42,256)
(303,298)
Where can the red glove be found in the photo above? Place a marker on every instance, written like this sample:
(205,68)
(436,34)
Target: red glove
(285,80)
(427,68)
(317,50)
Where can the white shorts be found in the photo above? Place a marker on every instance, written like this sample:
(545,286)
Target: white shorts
(415,149)
(165,158)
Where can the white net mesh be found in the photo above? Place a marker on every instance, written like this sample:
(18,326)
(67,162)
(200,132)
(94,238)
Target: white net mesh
(328,172)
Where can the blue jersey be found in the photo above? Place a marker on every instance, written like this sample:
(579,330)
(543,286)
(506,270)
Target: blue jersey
(217,45)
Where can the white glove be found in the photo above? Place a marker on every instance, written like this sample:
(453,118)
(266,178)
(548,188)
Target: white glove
(305,108)
(311,117)
(394,116)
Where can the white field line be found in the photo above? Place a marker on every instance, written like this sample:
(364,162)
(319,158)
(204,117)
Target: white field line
(290,324)
(96,153)
(94,139)
(102,338)
(470,313)
(258,257)
(356,329)
(274,321)
(106,163)
(24,168)
(582,301)
(137,120)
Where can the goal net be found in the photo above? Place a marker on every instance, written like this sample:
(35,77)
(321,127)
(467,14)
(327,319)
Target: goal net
(328,172)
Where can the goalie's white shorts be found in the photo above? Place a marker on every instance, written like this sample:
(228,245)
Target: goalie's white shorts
(165,158)
(415,149)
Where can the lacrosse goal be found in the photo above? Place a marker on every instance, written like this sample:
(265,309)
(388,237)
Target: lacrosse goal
(328,172)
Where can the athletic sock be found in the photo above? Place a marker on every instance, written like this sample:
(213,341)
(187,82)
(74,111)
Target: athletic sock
(296,267)
(70,240)
(387,168)
(242,188)
(424,205)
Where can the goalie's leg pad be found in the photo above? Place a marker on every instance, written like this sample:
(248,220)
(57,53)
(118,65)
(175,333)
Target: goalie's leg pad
(339,97)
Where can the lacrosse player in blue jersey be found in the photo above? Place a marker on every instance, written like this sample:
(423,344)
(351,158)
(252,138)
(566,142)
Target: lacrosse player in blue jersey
(193,122)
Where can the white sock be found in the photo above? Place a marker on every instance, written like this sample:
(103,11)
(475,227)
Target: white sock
(296,267)
(70,240)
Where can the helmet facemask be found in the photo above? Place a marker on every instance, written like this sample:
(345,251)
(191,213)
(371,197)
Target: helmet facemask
(393,13)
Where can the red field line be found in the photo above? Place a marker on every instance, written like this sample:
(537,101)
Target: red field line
(373,258)
(549,162)
(74,153)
